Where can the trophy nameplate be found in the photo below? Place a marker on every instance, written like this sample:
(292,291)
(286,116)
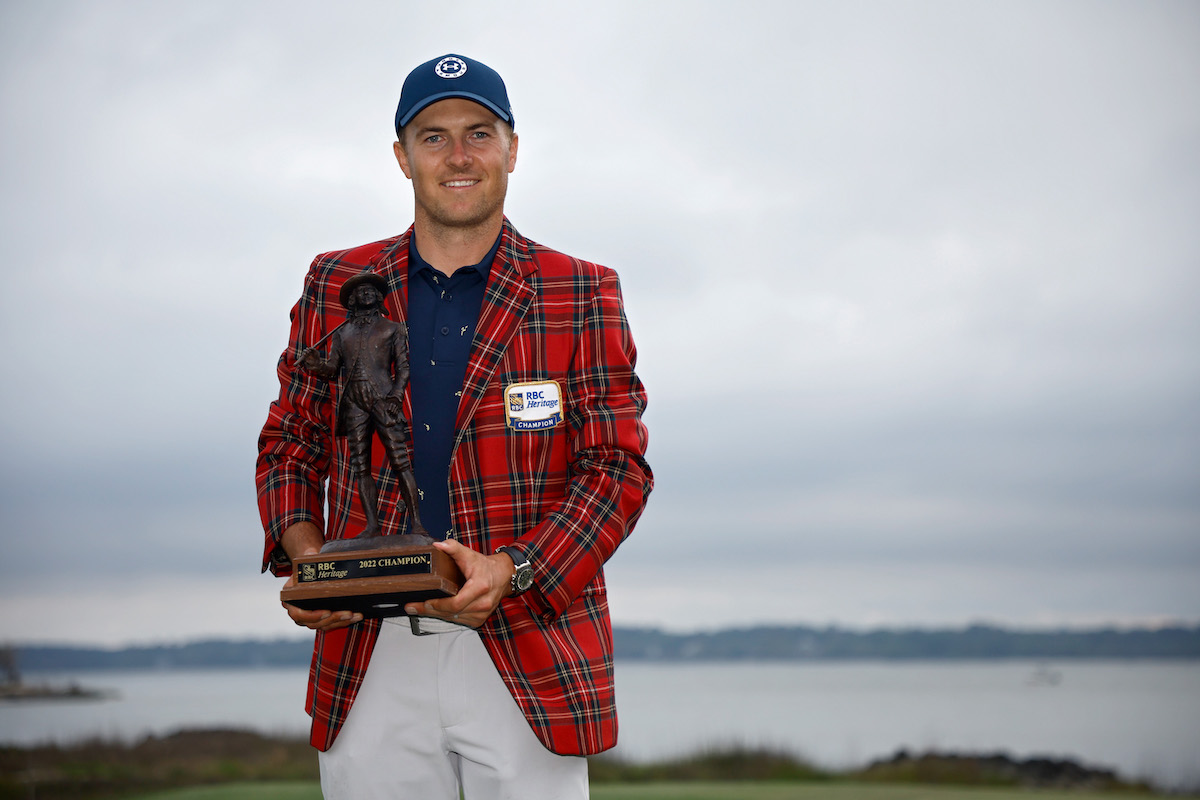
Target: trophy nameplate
(373,576)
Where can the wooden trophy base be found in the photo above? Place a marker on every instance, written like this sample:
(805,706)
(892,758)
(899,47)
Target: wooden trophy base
(373,575)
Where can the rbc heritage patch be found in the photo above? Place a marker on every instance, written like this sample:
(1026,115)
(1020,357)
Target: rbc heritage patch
(533,406)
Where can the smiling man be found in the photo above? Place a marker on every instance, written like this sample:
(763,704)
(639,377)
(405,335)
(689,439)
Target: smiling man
(528,450)
(458,155)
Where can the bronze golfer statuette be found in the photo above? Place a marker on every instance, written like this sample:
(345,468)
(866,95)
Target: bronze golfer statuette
(371,573)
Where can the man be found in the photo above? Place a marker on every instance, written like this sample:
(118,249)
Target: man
(528,448)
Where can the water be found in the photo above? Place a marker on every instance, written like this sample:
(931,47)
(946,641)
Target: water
(1140,718)
(160,702)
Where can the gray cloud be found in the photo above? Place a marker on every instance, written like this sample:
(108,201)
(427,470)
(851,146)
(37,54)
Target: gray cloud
(914,289)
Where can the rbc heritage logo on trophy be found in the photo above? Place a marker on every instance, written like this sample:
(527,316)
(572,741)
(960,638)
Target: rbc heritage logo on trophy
(533,406)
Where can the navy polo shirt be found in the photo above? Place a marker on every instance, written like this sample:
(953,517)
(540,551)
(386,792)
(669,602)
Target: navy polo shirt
(443,312)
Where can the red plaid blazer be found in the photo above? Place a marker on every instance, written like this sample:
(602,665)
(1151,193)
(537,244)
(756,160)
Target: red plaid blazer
(567,496)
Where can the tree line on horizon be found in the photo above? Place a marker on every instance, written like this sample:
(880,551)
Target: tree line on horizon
(760,643)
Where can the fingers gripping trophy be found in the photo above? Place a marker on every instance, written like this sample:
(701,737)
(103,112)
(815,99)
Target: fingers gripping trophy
(371,573)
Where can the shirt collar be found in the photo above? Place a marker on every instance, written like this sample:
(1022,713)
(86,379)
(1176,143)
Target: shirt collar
(417,264)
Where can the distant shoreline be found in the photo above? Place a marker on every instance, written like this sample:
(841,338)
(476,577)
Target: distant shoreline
(761,643)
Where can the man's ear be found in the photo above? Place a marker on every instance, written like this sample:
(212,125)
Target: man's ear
(512,153)
(402,159)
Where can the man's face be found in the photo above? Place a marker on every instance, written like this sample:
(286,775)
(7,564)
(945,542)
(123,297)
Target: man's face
(458,156)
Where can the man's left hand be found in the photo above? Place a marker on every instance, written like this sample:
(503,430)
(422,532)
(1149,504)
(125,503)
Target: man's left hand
(488,581)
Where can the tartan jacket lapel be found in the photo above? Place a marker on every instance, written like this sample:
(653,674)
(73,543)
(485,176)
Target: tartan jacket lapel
(506,300)
(392,263)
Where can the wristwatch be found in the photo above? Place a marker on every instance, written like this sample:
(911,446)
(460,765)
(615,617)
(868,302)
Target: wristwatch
(522,578)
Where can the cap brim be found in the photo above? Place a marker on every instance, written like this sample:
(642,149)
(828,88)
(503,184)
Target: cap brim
(428,101)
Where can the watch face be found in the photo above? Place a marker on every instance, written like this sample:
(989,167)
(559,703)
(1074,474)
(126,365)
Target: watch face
(523,579)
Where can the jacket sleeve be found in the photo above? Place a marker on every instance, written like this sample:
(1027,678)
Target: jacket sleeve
(610,480)
(294,446)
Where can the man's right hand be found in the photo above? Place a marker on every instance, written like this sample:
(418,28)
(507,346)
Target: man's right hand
(302,539)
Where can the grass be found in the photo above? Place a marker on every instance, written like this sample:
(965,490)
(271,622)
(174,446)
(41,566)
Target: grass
(825,791)
(724,790)
(111,769)
(242,765)
(291,790)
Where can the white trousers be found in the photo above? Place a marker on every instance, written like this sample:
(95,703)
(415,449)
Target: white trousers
(433,715)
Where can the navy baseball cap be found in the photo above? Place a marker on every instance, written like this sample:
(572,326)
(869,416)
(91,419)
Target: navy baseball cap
(452,76)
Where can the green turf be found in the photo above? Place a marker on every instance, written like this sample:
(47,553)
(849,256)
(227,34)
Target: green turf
(298,790)
(678,791)
(823,791)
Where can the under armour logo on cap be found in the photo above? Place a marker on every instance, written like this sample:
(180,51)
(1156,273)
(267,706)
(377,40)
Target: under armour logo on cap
(451,67)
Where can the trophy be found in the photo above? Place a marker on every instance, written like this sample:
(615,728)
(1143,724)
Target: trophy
(372,574)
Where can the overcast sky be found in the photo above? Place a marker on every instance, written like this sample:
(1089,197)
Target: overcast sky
(915,286)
